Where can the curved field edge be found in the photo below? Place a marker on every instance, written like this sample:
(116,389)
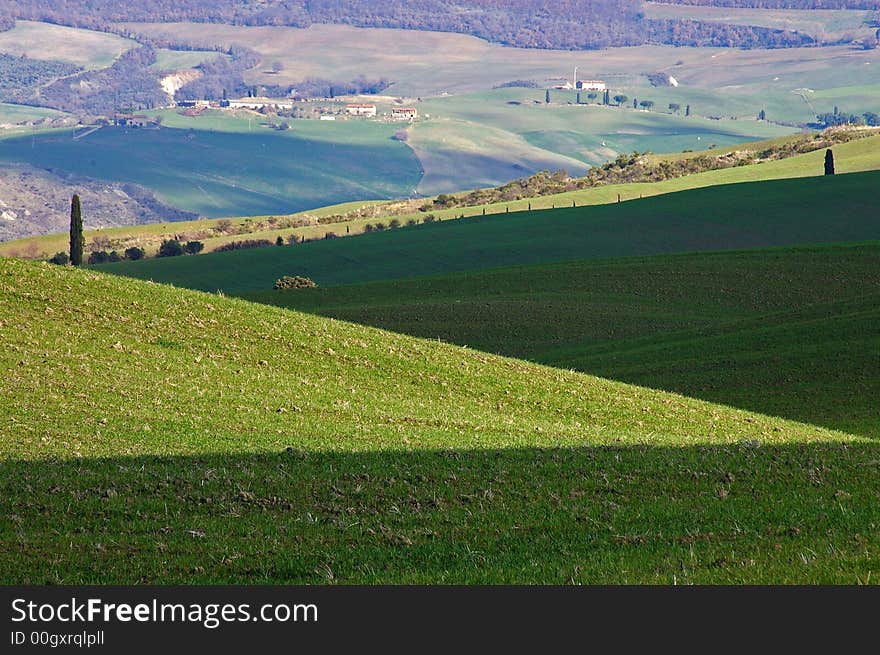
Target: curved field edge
(783,331)
(151,434)
(146,369)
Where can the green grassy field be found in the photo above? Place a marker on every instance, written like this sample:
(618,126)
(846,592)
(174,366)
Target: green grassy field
(14,119)
(789,332)
(85,48)
(222,173)
(855,156)
(175,60)
(478,136)
(194,438)
(484,138)
(746,215)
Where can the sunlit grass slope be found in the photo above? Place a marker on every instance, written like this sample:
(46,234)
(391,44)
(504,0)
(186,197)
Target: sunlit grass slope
(151,434)
(791,332)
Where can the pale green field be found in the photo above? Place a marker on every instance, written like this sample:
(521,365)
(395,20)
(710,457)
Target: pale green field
(85,48)
(175,60)
(824,25)
(11,117)
(10,113)
(485,138)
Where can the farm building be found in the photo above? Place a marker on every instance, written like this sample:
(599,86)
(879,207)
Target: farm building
(361,110)
(194,103)
(261,103)
(591,85)
(133,120)
(404,113)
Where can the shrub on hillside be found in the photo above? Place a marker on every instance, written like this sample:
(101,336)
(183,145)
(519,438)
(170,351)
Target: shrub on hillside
(60,258)
(104,257)
(193,247)
(430,218)
(170,248)
(244,245)
(393,223)
(134,253)
(294,282)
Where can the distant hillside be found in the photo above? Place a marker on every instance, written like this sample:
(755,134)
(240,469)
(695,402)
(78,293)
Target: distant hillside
(34,201)
(522,23)
(188,438)
(746,215)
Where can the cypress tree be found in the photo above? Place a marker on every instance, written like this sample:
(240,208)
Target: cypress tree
(77,240)
(547,97)
(829,162)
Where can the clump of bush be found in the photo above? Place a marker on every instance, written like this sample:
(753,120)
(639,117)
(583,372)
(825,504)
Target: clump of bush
(294,282)
(170,248)
(60,258)
(134,253)
(193,247)
(244,245)
(104,257)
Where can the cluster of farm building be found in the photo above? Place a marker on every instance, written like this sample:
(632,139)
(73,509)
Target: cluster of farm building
(270,106)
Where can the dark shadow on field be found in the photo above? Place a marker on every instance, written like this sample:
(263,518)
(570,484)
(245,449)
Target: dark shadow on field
(738,513)
(819,365)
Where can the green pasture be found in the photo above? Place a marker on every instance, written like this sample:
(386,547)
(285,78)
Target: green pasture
(743,215)
(789,332)
(223,173)
(199,439)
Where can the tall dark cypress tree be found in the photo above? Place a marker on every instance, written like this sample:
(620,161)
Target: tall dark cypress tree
(829,162)
(547,97)
(77,240)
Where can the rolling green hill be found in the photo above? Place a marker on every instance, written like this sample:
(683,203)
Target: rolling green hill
(151,434)
(220,173)
(774,213)
(854,156)
(789,332)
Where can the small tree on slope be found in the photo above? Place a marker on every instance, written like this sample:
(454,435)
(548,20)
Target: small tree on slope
(829,162)
(77,240)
